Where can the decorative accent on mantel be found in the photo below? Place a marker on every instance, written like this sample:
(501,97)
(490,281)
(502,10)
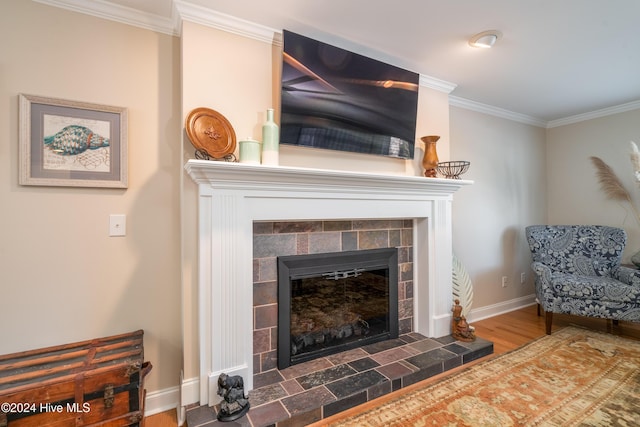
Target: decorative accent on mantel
(232,196)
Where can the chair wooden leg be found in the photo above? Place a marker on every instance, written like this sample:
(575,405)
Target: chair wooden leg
(538,309)
(547,321)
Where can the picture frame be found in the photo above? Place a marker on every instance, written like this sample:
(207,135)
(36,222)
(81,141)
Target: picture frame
(72,144)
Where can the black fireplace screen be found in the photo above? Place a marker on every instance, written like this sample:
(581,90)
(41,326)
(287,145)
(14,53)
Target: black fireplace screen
(333,302)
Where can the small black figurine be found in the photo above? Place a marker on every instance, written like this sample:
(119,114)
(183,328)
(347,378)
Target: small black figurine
(235,405)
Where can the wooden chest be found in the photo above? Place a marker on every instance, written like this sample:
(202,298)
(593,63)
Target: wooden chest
(98,382)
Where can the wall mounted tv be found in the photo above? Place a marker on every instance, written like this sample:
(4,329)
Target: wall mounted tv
(339,100)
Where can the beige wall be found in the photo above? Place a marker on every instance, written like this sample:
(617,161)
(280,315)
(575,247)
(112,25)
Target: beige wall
(574,195)
(62,277)
(509,193)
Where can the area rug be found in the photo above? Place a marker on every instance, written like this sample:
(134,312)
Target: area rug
(574,377)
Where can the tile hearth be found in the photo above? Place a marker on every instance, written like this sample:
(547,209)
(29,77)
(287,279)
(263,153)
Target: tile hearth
(308,392)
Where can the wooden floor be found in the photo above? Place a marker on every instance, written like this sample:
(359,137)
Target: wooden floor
(163,419)
(507,331)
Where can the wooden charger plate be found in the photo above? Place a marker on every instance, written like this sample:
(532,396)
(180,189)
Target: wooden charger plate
(211,132)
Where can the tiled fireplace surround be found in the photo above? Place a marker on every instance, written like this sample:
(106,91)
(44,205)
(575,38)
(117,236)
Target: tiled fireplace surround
(245,210)
(273,239)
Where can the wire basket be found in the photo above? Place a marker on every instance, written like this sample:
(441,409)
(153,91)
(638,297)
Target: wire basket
(453,169)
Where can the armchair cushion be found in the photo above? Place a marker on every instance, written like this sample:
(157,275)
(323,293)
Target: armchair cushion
(630,276)
(594,288)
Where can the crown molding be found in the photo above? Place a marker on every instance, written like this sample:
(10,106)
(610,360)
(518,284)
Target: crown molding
(117,13)
(622,108)
(495,111)
(437,84)
(523,118)
(221,21)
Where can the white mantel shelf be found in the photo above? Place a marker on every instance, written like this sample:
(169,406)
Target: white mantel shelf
(233,175)
(232,196)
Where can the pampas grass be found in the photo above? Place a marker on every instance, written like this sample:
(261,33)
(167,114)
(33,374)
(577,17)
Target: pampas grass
(611,184)
(609,181)
(635,160)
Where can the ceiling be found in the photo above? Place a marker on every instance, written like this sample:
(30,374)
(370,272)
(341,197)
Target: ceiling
(556,59)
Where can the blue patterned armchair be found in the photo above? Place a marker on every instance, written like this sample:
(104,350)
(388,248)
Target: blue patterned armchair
(578,272)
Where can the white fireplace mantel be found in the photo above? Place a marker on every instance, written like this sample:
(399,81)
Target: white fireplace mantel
(232,196)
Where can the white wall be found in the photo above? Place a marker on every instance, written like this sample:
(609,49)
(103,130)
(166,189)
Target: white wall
(574,195)
(62,278)
(509,193)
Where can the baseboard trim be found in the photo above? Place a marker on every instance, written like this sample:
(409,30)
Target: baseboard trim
(161,401)
(190,391)
(500,308)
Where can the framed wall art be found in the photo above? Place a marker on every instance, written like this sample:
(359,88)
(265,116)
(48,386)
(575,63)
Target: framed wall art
(72,144)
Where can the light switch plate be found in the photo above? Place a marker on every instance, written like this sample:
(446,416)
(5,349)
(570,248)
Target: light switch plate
(117,225)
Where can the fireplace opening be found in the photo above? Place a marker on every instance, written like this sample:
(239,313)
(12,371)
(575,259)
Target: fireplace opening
(332,302)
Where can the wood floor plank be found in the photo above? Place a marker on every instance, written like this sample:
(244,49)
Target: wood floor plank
(163,419)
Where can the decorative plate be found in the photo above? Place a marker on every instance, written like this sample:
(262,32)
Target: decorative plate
(211,132)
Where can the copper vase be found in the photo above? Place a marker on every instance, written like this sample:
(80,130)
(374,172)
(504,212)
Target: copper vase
(430,159)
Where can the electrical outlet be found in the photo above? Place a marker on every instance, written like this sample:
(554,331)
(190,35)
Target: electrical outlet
(504,281)
(523,278)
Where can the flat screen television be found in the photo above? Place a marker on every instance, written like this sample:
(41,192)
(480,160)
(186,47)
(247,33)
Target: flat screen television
(339,100)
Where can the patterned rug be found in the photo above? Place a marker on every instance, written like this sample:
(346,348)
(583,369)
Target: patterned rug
(574,377)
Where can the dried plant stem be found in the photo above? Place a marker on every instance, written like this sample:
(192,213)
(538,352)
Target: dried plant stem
(635,161)
(612,186)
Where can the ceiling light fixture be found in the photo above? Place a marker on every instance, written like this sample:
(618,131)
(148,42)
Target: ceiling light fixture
(485,39)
